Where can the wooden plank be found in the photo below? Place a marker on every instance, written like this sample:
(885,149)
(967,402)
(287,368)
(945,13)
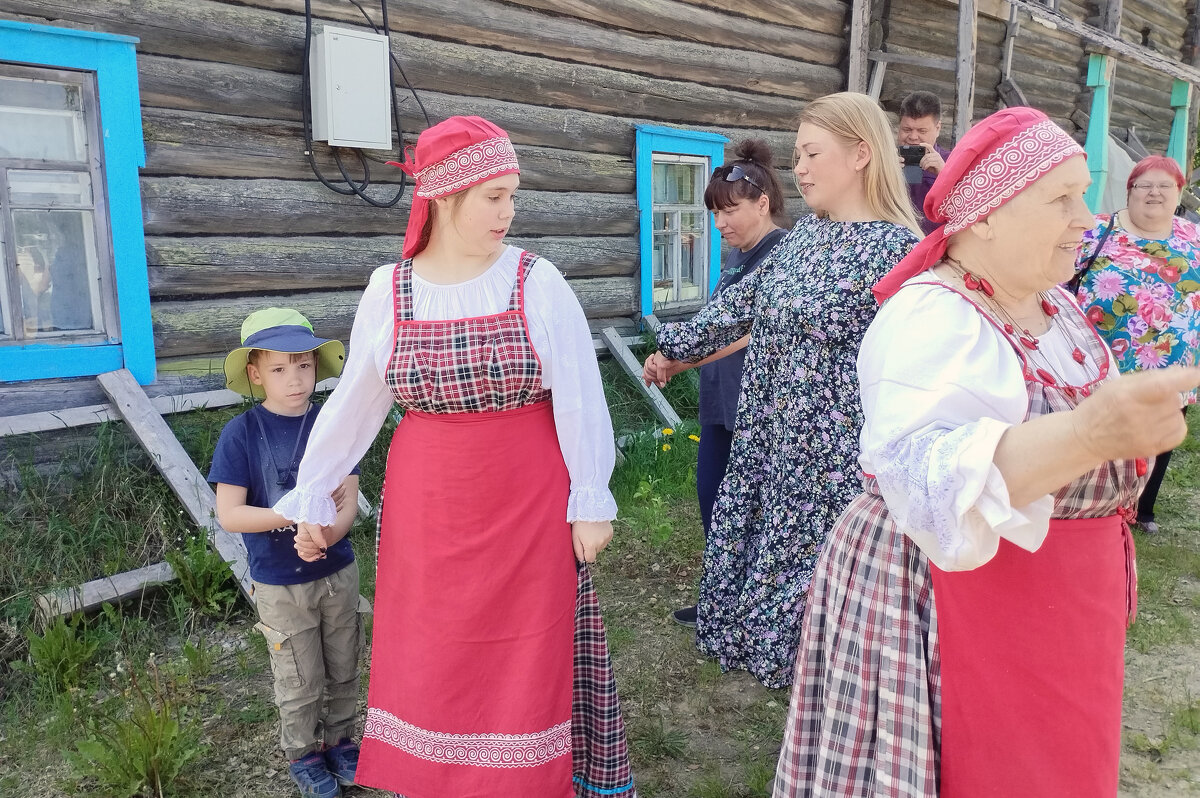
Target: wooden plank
(204,206)
(932,62)
(193,327)
(472,72)
(1011,93)
(662,408)
(964,92)
(134,407)
(197,144)
(860,21)
(1110,43)
(113,589)
(182,267)
(878,70)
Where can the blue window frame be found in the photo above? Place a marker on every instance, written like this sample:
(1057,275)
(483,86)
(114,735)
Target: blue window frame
(71,189)
(679,245)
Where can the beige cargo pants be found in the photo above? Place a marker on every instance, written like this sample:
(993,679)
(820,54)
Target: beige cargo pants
(313,633)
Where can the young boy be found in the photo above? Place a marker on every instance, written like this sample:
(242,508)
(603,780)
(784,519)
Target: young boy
(308,610)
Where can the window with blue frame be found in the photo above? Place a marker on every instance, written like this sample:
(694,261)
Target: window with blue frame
(74,293)
(680,248)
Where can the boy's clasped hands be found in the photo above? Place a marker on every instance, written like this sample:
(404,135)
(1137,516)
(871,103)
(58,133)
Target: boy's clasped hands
(311,541)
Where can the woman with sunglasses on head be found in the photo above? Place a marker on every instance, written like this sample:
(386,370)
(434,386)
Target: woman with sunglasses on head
(792,468)
(746,202)
(1138,278)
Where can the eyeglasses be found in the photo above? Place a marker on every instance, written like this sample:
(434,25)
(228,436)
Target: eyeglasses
(1163,187)
(736,173)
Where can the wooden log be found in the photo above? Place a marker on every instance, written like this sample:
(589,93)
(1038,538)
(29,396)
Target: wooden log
(964,91)
(177,468)
(214,265)
(475,72)
(823,16)
(207,326)
(197,144)
(263,37)
(112,589)
(679,20)
(629,363)
(202,206)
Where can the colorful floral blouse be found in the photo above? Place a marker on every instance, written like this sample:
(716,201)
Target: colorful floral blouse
(1143,295)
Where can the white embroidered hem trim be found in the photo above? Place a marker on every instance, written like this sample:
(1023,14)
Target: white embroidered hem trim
(479,750)
(298,506)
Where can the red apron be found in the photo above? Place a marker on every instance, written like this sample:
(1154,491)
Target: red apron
(478,603)
(1032,643)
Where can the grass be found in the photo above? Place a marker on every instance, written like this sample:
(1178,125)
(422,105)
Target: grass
(693,731)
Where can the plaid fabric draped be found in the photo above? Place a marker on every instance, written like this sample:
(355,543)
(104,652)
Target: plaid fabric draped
(600,751)
(865,714)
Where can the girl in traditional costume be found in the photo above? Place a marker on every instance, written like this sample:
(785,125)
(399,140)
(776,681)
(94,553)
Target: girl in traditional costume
(490,674)
(966,627)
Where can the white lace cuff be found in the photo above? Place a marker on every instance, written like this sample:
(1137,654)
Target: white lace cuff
(591,504)
(300,506)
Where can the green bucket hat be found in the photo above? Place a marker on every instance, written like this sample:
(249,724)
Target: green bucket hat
(280,330)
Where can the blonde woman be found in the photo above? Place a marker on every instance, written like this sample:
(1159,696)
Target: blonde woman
(792,467)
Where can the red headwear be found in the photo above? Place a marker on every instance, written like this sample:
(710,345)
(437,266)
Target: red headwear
(998,158)
(449,157)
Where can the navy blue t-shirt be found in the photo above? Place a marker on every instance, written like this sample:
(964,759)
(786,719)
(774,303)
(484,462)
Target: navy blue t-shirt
(721,381)
(261,451)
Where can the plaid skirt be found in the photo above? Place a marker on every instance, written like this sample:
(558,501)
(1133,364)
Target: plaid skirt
(865,714)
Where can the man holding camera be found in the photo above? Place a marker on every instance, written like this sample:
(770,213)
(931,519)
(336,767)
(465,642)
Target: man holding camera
(920,126)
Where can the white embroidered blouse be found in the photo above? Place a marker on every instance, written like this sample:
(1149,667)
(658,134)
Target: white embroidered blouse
(940,385)
(354,413)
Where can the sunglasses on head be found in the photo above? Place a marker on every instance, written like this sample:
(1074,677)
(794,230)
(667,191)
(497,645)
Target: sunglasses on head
(736,173)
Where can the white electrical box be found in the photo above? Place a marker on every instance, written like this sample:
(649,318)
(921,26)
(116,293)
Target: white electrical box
(351,89)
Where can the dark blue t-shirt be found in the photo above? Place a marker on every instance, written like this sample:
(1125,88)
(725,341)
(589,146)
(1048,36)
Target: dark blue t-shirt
(261,451)
(721,381)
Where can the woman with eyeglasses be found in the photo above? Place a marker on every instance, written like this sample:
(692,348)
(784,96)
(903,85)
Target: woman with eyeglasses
(1138,279)
(792,464)
(746,201)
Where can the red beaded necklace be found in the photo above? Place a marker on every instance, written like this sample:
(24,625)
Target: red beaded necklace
(1024,337)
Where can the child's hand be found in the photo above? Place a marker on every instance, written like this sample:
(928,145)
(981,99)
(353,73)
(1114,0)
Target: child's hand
(310,542)
(339,497)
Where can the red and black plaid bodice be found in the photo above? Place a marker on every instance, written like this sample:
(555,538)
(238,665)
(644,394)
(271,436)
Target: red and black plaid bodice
(472,365)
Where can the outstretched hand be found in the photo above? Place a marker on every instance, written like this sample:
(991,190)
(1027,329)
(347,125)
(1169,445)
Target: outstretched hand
(1136,415)
(659,369)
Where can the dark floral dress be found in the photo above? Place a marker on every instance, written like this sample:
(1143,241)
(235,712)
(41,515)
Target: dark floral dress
(793,467)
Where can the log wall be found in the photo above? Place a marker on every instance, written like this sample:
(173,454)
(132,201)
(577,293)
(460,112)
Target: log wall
(235,219)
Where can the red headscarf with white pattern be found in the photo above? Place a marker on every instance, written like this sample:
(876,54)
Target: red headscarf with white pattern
(452,156)
(999,158)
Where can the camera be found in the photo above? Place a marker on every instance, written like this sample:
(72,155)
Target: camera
(912,154)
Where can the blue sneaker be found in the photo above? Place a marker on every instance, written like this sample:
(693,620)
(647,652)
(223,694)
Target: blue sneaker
(342,761)
(313,778)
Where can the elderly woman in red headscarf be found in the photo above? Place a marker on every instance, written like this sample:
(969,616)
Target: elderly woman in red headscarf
(490,675)
(966,625)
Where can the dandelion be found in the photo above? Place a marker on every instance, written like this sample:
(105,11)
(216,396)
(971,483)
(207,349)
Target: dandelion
(695,438)
(668,431)
(666,447)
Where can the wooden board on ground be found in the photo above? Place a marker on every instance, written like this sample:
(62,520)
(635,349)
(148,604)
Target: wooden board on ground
(106,589)
(185,480)
(620,352)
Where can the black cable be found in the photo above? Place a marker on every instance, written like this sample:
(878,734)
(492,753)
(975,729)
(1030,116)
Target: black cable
(353,187)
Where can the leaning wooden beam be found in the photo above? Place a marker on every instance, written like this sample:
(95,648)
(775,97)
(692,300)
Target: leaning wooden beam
(110,589)
(134,407)
(860,34)
(964,83)
(1141,55)
(620,352)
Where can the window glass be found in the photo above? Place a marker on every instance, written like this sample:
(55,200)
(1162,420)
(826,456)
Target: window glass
(42,120)
(58,271)
(680,238)
(49,188)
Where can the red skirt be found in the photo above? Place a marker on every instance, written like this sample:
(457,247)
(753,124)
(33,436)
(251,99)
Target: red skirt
(1032,665)
(475,600)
